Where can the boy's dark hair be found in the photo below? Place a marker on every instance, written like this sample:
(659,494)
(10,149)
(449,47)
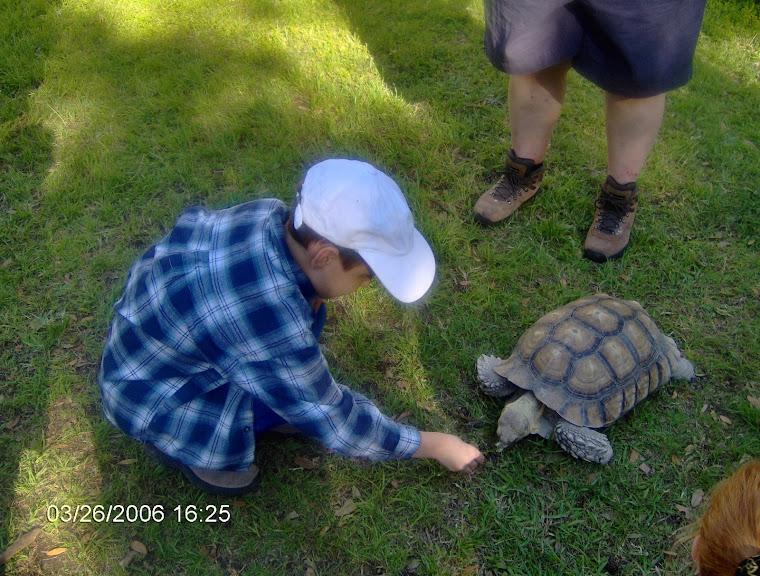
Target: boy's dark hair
(305,236)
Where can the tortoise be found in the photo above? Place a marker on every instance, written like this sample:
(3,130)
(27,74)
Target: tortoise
(579,368)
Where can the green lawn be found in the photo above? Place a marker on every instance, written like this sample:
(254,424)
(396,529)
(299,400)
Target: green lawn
(116,116)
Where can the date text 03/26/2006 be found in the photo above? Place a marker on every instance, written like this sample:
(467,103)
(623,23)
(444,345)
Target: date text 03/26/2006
(131,513)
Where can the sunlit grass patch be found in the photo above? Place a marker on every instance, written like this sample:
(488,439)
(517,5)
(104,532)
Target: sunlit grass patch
(116,116)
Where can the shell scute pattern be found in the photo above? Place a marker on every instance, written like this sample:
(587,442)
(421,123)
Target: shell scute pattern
(602,319)
(581,367)
(593,360)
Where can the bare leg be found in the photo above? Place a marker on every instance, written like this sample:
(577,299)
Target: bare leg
(535,103)
(632,127)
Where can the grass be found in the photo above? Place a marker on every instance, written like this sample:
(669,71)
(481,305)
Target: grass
(115,116)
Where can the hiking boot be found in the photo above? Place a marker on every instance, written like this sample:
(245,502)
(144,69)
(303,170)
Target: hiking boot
(219,482)
(520,182)
(610,231)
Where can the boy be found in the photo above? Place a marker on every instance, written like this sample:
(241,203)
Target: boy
(215,337)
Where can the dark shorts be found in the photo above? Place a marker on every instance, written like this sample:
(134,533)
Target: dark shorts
(636,48)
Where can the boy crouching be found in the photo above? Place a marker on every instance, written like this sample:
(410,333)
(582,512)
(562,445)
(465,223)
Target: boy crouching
(214,340)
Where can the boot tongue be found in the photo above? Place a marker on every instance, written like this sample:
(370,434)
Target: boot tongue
(519,166)
(621,195)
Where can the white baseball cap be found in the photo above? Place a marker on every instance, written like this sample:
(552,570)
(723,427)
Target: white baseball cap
(356,206)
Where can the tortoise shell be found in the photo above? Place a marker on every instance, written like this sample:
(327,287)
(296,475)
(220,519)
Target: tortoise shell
(591,360)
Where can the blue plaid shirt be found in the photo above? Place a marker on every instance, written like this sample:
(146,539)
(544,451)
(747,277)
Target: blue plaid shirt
(215,315)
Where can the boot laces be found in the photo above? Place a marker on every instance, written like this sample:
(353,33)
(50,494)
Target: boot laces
(511,185)
(613,209)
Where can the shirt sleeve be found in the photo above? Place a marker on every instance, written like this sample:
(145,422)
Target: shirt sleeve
(301,390)
(262,329)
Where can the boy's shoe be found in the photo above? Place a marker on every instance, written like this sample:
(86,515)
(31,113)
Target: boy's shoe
(218,482)
(278,432)
(520,182)
(610,231)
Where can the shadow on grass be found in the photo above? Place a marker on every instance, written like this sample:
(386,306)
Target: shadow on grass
(149,123)
(145,126)
(26,154)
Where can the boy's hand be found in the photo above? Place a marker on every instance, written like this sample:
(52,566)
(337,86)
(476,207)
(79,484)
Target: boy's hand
(450,451)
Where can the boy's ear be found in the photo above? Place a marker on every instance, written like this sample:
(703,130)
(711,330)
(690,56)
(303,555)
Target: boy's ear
(321,254)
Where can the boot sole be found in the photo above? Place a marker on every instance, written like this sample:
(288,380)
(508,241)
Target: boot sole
(600,258)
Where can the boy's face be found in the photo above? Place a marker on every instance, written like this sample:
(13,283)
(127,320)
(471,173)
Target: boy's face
(334,281)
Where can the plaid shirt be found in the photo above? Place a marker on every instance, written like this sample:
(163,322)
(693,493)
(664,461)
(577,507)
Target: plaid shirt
(214,315)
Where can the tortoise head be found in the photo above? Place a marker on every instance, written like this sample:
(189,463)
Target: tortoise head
(520,418)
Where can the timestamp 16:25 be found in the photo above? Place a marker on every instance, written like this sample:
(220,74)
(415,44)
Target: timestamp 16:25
(120,513)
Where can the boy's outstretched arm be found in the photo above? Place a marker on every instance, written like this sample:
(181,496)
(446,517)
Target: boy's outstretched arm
(450,451)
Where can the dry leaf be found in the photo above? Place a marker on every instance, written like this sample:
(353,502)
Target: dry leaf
(124,562)
(645,469)
(726,420)
(293,515)
(471,570)
(685,510)
(138,547)
(355,494)
(347,508)
(12,423)
(395,483)
(676,460)
(704,408)
(465,283)
(403,384)
(210,551)
(754,401)
(634,456)
(304,463)
(696,498)
(23,541)
(311,570)
(675,395)
(403,417)
(238,503)
(55,551)
(127,462)
(324,531)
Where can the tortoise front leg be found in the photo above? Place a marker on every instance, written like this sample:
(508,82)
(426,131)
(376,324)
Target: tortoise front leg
(583,443)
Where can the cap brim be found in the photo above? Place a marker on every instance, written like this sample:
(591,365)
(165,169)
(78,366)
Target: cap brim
(407,277)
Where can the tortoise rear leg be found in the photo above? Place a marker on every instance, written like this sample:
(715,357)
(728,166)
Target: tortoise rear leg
(583,443)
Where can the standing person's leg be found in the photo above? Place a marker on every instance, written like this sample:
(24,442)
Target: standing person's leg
(632,127)
(535,103)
